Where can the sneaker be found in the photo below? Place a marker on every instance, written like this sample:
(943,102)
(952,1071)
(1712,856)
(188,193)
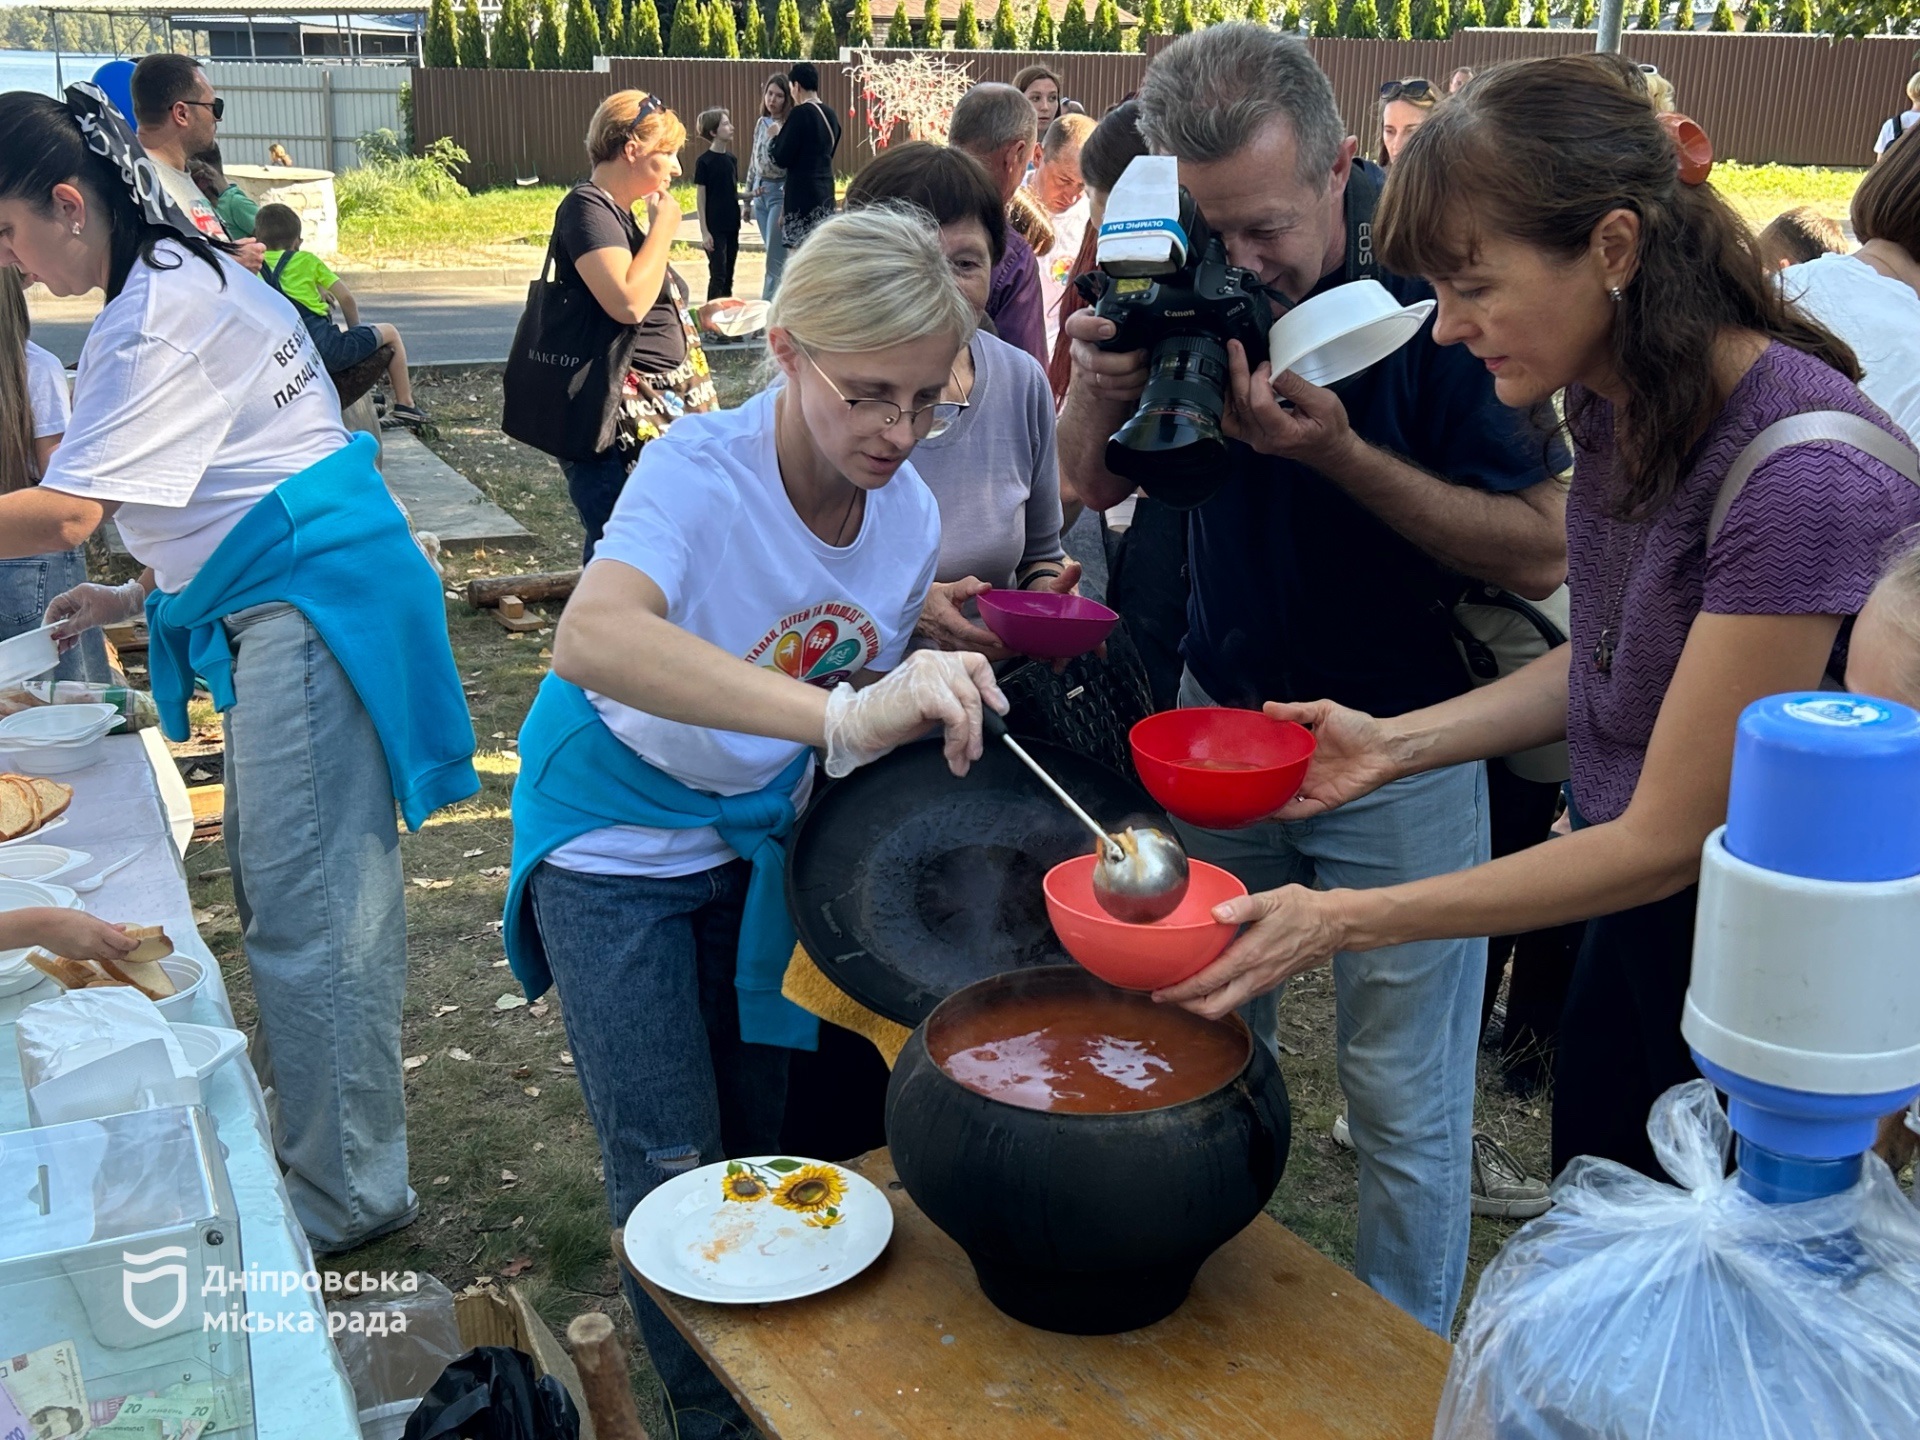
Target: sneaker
(411,417)
(1501,1188)
(1342,1136)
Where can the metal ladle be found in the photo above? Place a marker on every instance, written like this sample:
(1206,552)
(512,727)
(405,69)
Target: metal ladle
(1141,875)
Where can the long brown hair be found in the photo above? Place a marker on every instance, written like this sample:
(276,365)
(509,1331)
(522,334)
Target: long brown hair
(19,465)
(1539,151)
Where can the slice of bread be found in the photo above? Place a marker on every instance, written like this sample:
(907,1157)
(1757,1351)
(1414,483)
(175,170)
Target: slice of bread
(146,976)
(69,974)
(53,796)
(154,945)
(19,809)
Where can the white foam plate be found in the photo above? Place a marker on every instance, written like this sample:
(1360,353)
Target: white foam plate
(58,724)
(34,835)
(187,975)
(26,861)
(30,653)
(1343,331)
(747,318)
(29,895)
(688,1237)
(208,1047)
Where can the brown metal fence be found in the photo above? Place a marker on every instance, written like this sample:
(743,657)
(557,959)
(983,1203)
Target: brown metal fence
(1800,100)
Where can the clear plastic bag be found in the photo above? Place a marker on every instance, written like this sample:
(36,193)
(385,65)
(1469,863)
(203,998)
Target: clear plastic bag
(1635,1310)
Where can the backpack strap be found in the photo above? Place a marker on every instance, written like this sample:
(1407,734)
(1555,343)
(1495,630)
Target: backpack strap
(1835,425)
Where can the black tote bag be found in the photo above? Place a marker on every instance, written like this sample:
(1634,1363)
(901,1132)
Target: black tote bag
(566,370)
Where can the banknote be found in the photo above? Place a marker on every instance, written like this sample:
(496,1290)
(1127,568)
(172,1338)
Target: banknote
(46,1387)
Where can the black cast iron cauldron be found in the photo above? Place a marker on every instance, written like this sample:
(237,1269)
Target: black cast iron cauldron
(1086,1224)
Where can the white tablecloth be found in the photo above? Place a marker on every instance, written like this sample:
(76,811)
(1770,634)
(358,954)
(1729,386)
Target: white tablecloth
(300,1390)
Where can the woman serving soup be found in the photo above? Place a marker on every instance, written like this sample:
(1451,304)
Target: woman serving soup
(1571,251)
(765,565)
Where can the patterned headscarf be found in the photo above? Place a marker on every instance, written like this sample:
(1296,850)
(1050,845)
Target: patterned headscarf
(108,135)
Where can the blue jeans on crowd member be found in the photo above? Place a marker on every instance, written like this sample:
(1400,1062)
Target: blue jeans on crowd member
(594,486)
(766,209)
(1408,1018)
(315,849)
(645,972)
(26,587)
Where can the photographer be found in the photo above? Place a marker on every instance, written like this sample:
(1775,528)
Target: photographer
(1318,562)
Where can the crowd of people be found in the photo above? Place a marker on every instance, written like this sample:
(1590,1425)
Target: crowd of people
(1586,409)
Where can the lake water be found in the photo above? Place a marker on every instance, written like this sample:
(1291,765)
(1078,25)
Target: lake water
(33,69)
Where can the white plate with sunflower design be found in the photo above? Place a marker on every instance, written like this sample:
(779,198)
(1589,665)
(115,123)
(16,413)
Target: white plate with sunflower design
(758,1229)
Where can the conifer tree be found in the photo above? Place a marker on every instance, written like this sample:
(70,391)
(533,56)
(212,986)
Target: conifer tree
(1400,20)
(613,28)
(755,41)
(1075,32)
(825,44)
(582,41)
(860,24)
(1683,16)
(1648,17)
(723,40)
(1759,17)
(690,29)
(1542,16)
(1005,31)
(1506,14)
(1214,14)
(1290,18)
(546,40)
(1042,35)
(1363,20)
(1183,20)
(1722,22)
(1104,33)
(1473,15)
(900,29)
(439,48)
(473,37)
(1153,17)
(933,27)
(789,39)
(1583,14)
(512,37)
(1259,12)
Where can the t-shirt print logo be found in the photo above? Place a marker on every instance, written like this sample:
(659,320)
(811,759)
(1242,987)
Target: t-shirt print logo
(822,645)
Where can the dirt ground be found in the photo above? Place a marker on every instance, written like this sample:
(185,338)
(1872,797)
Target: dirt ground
(503,1156)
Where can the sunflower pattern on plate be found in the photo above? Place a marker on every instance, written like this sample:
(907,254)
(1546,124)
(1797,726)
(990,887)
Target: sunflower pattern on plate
(812,1191)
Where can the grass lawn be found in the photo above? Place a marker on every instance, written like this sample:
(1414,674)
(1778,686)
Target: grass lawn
(503,1156)
(510,225)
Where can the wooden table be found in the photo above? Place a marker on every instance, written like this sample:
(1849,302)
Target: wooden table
(1275,1340)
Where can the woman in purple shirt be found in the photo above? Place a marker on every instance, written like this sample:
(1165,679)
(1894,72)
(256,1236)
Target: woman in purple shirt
(1573,252)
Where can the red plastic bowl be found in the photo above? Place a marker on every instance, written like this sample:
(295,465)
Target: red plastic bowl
(1044,625)
(1140,957)
(1218,768)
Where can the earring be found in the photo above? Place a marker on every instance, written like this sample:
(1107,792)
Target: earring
(76,227)
(1616,294)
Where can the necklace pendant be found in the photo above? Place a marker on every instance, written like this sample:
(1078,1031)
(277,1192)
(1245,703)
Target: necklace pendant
(1603,652)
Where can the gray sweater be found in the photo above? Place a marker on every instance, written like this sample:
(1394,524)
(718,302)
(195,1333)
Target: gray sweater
(996,474)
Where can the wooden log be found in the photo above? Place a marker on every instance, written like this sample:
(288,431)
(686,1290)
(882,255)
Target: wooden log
(602,1362)
(484,594)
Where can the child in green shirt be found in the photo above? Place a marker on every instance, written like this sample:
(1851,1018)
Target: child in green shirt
(305,280)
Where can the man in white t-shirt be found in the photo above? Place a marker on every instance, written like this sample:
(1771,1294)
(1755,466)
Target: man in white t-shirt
(1898,125)
(177,114)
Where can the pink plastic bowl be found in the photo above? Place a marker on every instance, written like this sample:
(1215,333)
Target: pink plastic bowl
(1218,768)
(1044,625)
(1140,957)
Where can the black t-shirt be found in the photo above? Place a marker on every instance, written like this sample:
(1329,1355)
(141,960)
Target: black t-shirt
(1302,593)
(590,219)
(805,146)
(717,172)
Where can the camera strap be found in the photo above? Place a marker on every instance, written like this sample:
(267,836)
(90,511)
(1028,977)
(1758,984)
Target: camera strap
(1363,194)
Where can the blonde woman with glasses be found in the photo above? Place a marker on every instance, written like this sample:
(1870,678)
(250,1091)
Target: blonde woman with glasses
(766,563)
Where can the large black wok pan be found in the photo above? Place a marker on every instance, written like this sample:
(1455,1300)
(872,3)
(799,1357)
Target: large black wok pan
(906,884)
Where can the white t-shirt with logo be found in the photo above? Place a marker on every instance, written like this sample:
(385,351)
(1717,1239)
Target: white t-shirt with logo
(187,196)
(191,402)
(706,518)
(1056,266)
(47,392)
(1875,314)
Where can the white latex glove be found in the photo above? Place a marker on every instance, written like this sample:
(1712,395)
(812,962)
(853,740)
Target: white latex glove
(930,687)
(85,607)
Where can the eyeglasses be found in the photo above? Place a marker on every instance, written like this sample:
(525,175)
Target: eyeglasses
(1418,91)
(218,105)
(873,416)
(652,105)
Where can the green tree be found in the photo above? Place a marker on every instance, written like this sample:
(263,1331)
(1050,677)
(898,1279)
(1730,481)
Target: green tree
(933,28)
(439,49)
(1153,18)
(900,29)
(789,39)
(690,31)
(1075,32)
(1400,20)
(512,37)
(1759,17)
(1583,14)
(1648,16)
(1183,19)
(1506,14)
(1437,22)
(1363,20)
(582,41)
(615,30)
(1542,17)
(1683,16)
(754,43)
(1104,33)
(1043,35)
(472,37)
(546,40)
(643,28)
(1722,22)
(1006,27)
(860,23)
(723,41)
(966,27)
(1259,13)
(1473,15)
(1215,13)
(1796,18)
(825,44)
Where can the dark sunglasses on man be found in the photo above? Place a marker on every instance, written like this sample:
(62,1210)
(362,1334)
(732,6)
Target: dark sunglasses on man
(218,105)
(1418,91)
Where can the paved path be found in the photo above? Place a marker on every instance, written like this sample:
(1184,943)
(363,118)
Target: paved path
(441,325)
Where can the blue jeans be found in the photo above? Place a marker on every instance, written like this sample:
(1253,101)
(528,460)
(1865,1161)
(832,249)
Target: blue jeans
(594,486)
(645,973)
(315,849)
(1408,1019)
(765,207)
(26,585)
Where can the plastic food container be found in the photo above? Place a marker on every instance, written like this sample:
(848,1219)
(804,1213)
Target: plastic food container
(1044,625)
(55,739)
(27,655)
(1220,768)
(40,863)
(1342,331)
(16,975)
(1140,957)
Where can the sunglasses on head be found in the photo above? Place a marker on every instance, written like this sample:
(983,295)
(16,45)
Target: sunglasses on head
(1415,90)
(218,105)
(652,105)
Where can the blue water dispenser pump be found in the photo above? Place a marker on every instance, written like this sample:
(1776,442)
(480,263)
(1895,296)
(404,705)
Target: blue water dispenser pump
(1804,1003)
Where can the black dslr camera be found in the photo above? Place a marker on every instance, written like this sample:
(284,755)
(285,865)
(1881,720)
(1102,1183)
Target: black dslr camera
(1172,443)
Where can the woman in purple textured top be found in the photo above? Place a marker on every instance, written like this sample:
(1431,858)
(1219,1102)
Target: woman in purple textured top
(1575,254)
